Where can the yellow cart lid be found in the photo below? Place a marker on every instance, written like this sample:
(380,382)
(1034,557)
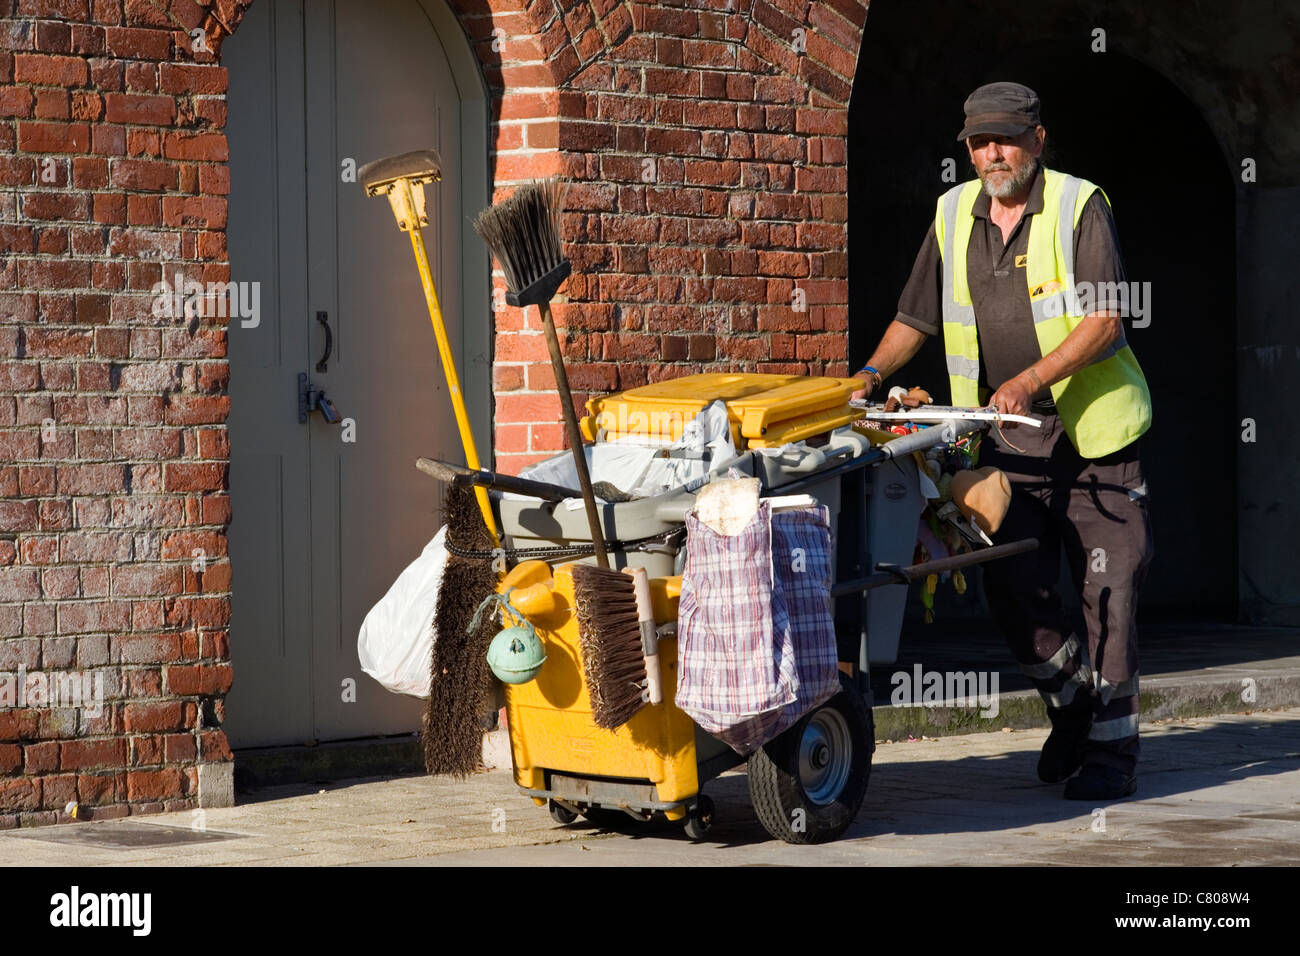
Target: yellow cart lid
(765,410)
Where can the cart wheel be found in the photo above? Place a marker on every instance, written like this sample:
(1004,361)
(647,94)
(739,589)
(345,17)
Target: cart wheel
(560,813)
(699,819)
(808,783)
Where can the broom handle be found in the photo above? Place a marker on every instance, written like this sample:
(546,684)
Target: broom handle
(575,436)
(453,382)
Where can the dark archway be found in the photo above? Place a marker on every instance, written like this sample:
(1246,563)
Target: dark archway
(1115,121)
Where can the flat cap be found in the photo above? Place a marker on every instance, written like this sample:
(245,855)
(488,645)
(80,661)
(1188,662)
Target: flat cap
(1004,109)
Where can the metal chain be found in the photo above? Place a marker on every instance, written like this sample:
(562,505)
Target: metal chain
(524,554)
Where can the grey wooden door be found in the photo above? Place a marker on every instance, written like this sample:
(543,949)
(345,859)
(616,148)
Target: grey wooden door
(323,525)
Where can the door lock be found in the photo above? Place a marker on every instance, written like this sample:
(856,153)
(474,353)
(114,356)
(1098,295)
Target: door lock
(313,399)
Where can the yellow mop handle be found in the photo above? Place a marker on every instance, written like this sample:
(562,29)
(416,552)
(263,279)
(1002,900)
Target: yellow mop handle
(453,382)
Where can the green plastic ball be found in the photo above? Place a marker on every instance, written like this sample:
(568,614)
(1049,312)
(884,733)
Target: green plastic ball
(516,655)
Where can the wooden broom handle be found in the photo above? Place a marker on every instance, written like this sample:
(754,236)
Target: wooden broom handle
(575,436)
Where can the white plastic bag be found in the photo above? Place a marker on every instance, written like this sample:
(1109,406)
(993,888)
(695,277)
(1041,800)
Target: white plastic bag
(395,644)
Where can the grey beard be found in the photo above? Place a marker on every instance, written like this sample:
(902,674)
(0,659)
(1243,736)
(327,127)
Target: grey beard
(1013,185)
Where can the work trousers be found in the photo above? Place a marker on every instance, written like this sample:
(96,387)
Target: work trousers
(1098,510)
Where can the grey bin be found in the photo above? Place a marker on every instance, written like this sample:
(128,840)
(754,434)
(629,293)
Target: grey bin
(892,512)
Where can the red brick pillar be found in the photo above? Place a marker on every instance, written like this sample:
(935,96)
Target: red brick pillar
(707,223)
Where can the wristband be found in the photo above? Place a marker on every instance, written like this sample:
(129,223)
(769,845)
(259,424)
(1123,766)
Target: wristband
(868,368)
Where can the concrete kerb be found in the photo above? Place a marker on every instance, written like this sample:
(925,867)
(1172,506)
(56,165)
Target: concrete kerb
(1162,698)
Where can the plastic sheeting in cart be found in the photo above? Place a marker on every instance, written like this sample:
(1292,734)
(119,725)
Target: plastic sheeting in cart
(646,470)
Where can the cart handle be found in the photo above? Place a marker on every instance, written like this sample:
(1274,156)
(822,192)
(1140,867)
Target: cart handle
(946,431)
(893,574)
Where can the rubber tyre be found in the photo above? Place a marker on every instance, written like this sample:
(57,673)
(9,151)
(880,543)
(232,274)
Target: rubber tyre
(775,786)
(561,815)
(699,819)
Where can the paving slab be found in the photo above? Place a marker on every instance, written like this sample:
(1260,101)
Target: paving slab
(1218,791)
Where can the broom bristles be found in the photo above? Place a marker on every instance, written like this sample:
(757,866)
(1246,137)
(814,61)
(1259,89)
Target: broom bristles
(523,232)
(461,683)
(609,637)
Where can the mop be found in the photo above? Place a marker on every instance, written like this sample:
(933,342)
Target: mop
(460,680)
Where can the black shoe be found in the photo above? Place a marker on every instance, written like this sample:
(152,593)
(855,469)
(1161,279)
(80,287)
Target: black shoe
(1100,782)
(1062,751)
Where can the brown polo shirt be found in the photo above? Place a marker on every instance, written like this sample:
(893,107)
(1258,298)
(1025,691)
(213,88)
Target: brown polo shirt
(998,287)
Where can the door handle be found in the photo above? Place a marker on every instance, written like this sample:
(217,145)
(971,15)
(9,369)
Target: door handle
(324,319)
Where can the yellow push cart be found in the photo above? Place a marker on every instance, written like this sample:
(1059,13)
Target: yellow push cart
(795,435)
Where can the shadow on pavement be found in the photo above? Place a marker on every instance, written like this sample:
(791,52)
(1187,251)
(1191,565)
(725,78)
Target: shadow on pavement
(992,793)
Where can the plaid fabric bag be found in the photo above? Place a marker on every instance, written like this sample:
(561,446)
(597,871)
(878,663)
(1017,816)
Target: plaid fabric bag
(755,634)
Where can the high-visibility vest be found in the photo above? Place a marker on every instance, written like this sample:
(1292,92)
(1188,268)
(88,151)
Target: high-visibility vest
(1103,406)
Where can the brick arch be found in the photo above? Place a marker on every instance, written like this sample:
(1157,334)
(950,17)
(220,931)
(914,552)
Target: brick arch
(216,18)
(830,33)
(561,38)
(526,53)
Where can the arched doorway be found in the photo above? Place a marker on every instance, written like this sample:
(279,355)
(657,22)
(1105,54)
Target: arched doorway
(321,525)
(1120,124)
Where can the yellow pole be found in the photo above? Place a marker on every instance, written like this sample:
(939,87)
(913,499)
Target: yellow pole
(448,365)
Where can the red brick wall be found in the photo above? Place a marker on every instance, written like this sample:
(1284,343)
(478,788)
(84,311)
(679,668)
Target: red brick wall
(708,158)
(113,449)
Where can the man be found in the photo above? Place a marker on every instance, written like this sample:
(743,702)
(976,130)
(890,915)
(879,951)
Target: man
(1004,271)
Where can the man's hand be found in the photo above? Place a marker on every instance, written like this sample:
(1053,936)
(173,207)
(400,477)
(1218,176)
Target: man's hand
(869,385)
(1015,395)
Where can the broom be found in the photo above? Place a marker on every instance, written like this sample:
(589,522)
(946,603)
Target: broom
(523,232)
(461,680)
(619,644)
